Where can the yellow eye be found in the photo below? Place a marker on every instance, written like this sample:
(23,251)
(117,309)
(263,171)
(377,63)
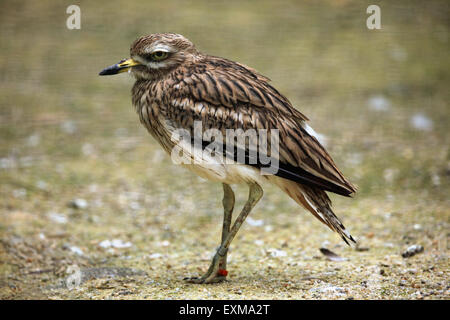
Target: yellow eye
(159,55)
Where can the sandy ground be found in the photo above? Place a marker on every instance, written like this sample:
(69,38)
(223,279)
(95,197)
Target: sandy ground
(276,255)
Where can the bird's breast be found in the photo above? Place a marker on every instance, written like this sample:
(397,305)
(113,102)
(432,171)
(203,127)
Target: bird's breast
(148,106)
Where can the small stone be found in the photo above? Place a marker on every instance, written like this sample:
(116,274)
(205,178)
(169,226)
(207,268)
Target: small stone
(78,204)
(259,242)
(134,205)
(379,103)
(325,244)
(254,223)
(105,244)
(57,217)
(19,193)
(88,149)
(412,251)
(164,243)
(115,243)
(69,127)
(42,185)
(390,174)
(155,255)
(76,250)
(435,179)
(276,253)
(330,289)
(7,163)
(34,140)
(421,122)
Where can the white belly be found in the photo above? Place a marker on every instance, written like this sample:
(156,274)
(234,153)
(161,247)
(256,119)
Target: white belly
(215,168)
(226,173)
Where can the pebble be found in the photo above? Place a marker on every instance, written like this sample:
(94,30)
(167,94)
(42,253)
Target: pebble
(115,243)
(88,149)
(76,250)
(412,251)
(330,289)
(69,127)
(276,253)
(259,242)
(57,217)
(19,193)
(42,185)
(325,244)
(255,223)
(34,140)
(421,122)
(435,179)
(7,163)
(379,103)
(78,204)
(155,255)
(134,205)
(164,243)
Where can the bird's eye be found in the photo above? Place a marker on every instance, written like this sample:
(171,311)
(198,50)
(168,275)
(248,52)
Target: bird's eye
(159,55)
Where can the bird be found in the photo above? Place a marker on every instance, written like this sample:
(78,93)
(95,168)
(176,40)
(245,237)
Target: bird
(181,94)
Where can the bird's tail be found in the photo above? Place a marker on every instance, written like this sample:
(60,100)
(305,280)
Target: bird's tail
(317,202)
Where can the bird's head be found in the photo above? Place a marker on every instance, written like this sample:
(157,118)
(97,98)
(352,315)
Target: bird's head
(155,55)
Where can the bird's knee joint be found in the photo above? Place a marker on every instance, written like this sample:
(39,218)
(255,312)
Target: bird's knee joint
(222,251)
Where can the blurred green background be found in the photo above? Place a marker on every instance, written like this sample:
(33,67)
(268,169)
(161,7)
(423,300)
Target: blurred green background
(380,98)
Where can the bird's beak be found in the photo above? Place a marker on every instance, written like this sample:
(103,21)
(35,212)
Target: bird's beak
(120,67)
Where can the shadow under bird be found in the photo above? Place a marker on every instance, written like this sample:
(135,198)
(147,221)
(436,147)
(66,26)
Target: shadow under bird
(177,86)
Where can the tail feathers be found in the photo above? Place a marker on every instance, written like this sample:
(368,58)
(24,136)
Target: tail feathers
(318,203)
(335,224)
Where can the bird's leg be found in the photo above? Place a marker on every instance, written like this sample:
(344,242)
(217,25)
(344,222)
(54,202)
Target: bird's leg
(213,275)
(228,206)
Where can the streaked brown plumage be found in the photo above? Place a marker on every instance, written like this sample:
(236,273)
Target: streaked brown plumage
(177,85)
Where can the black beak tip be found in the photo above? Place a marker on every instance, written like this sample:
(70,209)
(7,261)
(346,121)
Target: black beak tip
(109,71)
(106,72)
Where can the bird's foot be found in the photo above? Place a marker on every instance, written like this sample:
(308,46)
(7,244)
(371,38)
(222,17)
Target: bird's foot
(207,279)
(214,274)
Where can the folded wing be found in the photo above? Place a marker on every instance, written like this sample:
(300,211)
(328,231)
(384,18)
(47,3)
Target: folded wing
(226,95)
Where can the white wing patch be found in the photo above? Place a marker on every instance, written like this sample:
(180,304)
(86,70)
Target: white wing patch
(320,137)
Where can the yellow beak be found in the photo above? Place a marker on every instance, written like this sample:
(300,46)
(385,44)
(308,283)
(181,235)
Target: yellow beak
(120,67)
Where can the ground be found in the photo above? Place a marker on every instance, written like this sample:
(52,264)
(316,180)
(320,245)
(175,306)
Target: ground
(86,191)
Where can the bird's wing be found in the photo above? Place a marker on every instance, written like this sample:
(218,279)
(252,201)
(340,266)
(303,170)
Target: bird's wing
(225,95)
